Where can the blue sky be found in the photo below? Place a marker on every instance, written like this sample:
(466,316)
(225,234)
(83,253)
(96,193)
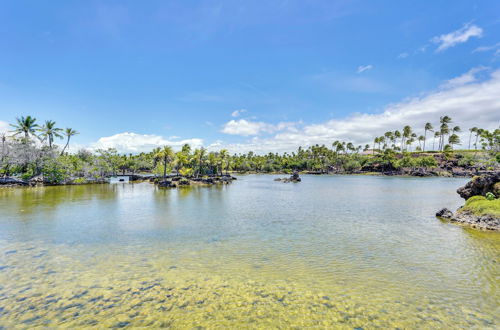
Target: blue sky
(136,74)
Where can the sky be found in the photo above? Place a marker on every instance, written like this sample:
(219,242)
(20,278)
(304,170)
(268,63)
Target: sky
(266,76)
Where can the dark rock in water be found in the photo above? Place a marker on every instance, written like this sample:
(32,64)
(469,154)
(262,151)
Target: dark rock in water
(480,185)
(166,184)
(444,213)
(12,182)
(293,178)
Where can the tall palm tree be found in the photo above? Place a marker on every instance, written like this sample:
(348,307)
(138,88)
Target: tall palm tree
(453,139)
(199,155)
(49,131)
(25,125)
(69,132)
(166,155)
(444,129)
(472,130)
(427,127)
(478,133)
(407,132)
(224,156)
(420,139)
(437,134)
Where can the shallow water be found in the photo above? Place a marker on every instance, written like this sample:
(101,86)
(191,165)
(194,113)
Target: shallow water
(332,251)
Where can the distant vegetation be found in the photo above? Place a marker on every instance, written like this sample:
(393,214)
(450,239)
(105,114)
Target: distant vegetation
(29,151)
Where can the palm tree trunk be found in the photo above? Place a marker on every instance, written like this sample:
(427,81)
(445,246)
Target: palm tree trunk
(67,144)
(425,138)
(164,168)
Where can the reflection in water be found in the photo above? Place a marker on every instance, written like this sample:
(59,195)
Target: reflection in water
(348,251)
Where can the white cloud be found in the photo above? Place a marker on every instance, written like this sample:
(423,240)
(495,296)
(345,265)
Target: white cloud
(134,143)
(486,48)
(459,36)
(364,68)
(472,103)
(466,78)
(403,55)
(237,113)
(4,127)
(245,127)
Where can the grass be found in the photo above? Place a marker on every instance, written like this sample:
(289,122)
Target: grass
(479,205)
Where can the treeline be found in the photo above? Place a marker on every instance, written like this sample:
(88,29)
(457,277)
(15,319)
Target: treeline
(29,151)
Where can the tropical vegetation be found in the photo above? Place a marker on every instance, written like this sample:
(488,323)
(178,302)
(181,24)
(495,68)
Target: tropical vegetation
(29,151)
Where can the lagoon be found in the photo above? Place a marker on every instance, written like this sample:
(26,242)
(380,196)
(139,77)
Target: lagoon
(331,251)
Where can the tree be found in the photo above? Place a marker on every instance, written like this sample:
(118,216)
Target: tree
(420,139)
(49,131)
(472,130)
(453,139)
(427,127)
(25,125)
(165,154)
(224,156)
(69,132)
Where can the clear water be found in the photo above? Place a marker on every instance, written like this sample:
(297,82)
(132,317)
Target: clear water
(332,251)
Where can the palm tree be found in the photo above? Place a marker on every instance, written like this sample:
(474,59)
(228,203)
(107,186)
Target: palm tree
(407,132)
(437,134)
(472,130)
(49,131)
(427,127)
(224,156)
(478,133)
(25,125)
(453,139)
(69,132)
(199,154)
(420,139)
(444,130)
(166,154)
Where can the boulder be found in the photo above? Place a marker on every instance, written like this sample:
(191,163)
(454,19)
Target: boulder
(166,184)
(444,213)
(480,185)
(12,182)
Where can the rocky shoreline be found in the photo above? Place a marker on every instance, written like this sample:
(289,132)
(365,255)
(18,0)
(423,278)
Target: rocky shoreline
(482,207)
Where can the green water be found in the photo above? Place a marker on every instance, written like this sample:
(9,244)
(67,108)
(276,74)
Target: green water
(337,252)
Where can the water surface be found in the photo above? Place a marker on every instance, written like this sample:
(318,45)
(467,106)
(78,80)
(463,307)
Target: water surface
(343,251)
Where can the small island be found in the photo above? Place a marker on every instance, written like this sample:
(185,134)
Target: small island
(482,205)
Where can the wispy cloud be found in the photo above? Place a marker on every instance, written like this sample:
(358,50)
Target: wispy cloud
(363,68)
(464,79)
(403,55)
(487,48)
(237,113)
(459,36)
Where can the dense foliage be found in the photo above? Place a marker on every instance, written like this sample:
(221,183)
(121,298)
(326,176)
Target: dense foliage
(30,152)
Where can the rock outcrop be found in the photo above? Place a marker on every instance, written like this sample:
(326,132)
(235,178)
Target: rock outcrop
(293,178)
(484,215)
(480,185)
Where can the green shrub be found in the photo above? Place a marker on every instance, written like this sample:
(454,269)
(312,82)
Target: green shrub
(490,196)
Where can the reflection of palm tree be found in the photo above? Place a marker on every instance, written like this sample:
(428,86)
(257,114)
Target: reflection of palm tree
(49,131)
(25,125)
(166,154)
(69,132)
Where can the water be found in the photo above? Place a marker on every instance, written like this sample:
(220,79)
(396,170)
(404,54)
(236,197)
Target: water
(332,251)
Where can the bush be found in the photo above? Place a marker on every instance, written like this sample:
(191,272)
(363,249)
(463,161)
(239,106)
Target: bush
(490,196)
